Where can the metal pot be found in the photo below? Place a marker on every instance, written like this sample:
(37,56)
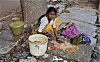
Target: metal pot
(16,26)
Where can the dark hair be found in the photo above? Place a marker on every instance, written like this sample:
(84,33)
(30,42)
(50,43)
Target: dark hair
(51,9)
(41,17)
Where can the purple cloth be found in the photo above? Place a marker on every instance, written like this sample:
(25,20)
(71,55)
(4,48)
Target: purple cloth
(70,32)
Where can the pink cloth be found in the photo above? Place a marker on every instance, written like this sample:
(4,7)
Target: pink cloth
(70,32)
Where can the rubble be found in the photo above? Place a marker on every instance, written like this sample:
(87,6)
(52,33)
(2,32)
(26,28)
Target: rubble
(82,55)
(84,19)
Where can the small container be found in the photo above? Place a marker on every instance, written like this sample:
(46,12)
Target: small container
(16,26)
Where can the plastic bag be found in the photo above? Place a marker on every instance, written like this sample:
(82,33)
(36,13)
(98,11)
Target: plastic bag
(86,39)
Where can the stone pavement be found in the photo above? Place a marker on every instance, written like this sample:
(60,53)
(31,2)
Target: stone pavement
(84,19)
(7,41)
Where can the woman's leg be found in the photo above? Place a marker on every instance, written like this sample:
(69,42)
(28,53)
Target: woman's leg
(48,28)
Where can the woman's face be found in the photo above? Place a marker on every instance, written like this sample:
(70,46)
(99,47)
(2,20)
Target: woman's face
(51,15)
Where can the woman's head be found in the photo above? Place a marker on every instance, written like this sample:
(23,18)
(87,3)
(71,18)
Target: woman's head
(51,13)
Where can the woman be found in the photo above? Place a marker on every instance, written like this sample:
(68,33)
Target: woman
(49,23)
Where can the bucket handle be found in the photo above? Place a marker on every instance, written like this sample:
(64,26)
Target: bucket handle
(37,46)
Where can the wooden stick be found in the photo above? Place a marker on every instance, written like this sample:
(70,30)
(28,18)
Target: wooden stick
(1,19)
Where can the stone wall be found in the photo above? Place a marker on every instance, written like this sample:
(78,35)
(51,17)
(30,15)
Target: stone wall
(8,6)
(33,9)
(99,6)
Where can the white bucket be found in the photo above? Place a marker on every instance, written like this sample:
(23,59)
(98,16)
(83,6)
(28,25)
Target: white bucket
(38,44)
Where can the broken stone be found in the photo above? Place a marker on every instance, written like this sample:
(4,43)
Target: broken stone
(67,11)
(81,14)
(93,42)
(29,59)
(1,25)
(96,51)
(6,34)
(86,28)
(6,41)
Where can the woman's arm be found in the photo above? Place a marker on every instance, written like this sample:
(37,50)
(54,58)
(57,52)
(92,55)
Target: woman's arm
(55,33)
(55,26)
